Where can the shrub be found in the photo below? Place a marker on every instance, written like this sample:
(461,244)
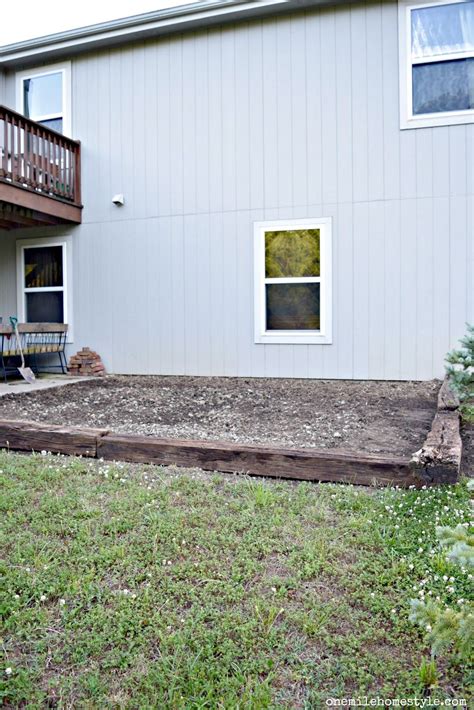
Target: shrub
(461,372)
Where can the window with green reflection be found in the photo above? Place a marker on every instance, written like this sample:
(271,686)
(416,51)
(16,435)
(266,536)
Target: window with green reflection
(292,253)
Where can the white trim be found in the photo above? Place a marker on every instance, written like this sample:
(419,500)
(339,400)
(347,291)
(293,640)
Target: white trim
(66,288)
(65,70)
(302,337)
(406,62)
(137,27)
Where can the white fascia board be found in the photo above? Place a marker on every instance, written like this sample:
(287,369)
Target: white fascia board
(133,28)
(204,13)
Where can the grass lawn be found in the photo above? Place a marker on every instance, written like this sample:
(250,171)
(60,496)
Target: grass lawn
(141,587)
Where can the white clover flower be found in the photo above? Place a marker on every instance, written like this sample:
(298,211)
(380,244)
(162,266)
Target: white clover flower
(62,602)
(428,627)
(42,598)
(8,671)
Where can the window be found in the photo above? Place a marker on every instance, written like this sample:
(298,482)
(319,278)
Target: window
(44,280)
(44,96)
(293,281)
(436,63)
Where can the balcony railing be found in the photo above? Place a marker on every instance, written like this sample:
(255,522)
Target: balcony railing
(39,159)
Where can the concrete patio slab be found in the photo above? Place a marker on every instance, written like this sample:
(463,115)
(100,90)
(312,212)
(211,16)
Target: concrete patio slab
(43,382)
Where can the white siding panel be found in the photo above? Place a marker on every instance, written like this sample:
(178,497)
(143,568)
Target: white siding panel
(344,107)
(457,157)
(177,176)
(8,305)
(392,286)
(441,279)
(360,140)
(375,123)
(377,294)
(328,106)
(458,267)
(188,89)
(440,161)
(361,290)
(299,119)
(424,163)
(314,110)
(408,290)
(390,109)
(242,120)
(425,283)
(228,120)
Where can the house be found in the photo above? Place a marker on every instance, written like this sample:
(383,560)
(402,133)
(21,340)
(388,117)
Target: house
(270,188)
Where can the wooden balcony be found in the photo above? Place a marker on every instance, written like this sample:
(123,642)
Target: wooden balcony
(40,174)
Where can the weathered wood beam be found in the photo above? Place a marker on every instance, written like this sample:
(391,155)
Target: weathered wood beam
(33,436)
(24,197)
(302,464)
(439,459)
(447,397)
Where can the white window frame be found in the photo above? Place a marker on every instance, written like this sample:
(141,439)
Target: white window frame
(65,70)
(66,243)
(406,63)
(302,337)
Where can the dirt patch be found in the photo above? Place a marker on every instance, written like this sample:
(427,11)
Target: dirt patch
(387,417)
(467,464)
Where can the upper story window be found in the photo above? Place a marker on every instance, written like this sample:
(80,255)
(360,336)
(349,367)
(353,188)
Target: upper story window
(436,62)
(293,281)
(44,96)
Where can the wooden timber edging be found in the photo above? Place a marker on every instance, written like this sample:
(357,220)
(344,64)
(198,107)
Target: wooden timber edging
(33,436)
(258,460)
(439,459)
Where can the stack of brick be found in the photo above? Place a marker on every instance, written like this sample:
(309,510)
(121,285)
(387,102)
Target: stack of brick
(86,362)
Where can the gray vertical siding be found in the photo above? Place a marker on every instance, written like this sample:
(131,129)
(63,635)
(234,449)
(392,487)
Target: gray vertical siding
(7,247)
(7,275)
(290,117)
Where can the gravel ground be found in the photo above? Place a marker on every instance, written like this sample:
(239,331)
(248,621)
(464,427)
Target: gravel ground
(387,417)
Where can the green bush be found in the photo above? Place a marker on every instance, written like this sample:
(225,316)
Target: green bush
(461,372)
